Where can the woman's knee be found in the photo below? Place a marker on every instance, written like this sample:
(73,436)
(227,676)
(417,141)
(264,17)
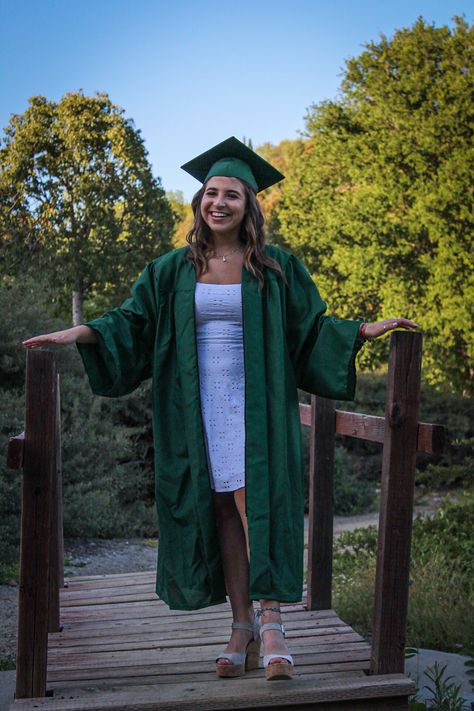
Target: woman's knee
(225,507)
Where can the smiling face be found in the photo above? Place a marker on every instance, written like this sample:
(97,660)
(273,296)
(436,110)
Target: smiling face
(223,207)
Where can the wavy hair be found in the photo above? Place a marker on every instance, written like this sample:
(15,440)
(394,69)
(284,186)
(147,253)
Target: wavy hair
(252,236)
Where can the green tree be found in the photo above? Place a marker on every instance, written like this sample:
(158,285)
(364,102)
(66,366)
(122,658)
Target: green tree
(78,201)
(379,200)
(281,156)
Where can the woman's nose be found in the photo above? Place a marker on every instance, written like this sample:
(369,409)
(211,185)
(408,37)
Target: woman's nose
(220,200)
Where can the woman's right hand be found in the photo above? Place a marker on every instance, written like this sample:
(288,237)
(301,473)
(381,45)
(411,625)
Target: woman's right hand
(77,334)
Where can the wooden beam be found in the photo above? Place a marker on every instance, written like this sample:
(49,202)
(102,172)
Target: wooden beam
(56,548)
(40,433)
(321,507)
(396,505)
(15,451)
(430,438)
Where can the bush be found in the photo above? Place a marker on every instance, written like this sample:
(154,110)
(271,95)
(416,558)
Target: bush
(108,482)
(441,603)
(454,467)
(352,495)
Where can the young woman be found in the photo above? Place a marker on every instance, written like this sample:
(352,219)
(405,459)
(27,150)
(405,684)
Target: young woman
(228,328)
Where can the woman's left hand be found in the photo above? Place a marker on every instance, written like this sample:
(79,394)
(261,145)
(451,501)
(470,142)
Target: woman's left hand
(374,330)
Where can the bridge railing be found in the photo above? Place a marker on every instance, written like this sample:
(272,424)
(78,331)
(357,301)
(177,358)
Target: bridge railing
(38,452)
(402,436)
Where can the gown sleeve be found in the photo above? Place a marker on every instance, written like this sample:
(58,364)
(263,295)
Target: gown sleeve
(123,356)
(322,348)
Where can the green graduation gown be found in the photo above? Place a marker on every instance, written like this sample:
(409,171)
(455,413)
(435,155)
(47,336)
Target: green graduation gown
(288,343)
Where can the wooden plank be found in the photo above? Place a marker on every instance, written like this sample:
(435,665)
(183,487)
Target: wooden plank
(40,432)
(61,686)
(142,612)
(91,591)
(99,598)
(356,424)
(109,578)
(211,646)
(162,654)
(430,438)
(321,507)
(15,451)
(145,624)
(252,693)
(81,677)
(396,505)
(131,641)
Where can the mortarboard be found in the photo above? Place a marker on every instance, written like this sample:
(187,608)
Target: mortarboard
(233,159)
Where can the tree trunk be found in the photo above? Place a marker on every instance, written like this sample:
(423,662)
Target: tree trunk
(78,306)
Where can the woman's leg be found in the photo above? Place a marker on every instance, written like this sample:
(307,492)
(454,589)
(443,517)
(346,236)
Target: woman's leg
(274,640)
(233,546)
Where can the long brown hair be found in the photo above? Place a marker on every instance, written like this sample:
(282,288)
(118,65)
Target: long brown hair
(252,236)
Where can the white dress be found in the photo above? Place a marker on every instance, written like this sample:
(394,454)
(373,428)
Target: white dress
(218,309)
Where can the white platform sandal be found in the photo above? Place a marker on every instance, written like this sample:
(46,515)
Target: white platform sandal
(240,662)
(277,670)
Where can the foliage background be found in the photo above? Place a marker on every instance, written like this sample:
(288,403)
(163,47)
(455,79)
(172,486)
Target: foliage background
(378,204)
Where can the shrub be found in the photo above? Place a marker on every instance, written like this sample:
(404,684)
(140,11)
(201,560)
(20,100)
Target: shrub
(441,603)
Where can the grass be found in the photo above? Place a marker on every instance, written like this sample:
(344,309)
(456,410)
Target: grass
(9,573)
(7,664)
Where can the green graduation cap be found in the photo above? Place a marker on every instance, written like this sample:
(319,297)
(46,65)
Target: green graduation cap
(233,159)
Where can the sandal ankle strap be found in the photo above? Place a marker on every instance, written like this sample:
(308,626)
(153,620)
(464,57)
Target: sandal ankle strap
(260,612)
(272,626)
(243,626)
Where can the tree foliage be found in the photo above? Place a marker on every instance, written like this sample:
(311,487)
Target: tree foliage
(78,200)
(378,200)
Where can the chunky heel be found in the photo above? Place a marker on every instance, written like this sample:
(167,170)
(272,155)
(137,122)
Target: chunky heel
(240,662)
(284,668)
(252,660)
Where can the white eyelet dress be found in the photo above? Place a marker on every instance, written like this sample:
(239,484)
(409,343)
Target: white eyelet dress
(220,349)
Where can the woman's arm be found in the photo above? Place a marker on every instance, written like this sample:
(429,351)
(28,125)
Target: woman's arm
(77,334)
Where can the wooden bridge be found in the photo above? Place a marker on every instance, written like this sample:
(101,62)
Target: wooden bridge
(107,643)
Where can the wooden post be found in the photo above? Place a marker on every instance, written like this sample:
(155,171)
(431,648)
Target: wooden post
(38,462)
(321,506)
(396,506)
(56,550)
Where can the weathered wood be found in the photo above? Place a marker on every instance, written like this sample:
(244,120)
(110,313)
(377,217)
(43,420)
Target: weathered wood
(326,643)
(356,424)
(321,508)
(40,433)
(56,546)
(89,630)
(15,451)
(202,668)
(253,693)
(61,686)
(430,439)
(396,505)
(59,494)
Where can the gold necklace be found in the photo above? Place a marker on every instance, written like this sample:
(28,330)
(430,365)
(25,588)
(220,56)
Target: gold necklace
(224,257)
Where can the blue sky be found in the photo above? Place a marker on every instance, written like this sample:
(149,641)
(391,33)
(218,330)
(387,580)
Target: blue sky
(193,73)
